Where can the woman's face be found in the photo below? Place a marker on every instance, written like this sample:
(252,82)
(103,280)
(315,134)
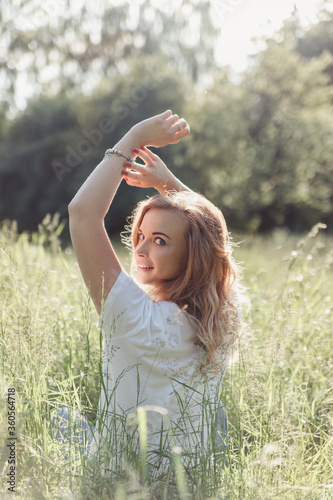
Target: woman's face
(161,252)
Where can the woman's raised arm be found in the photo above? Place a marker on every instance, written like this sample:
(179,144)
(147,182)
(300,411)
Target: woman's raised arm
(97,260)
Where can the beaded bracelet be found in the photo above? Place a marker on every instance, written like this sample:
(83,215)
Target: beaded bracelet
(110,152)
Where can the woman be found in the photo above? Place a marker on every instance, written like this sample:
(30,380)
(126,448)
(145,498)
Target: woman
(165,348)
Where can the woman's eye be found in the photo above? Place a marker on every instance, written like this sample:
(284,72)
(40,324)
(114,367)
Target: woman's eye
(160,241)
(141,237)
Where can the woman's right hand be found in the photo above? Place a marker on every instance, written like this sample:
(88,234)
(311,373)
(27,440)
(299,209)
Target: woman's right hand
(154,173)
(160,130)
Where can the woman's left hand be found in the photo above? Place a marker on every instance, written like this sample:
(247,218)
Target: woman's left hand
(160,130)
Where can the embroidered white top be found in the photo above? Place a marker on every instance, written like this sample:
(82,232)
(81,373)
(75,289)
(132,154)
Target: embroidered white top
(151,360)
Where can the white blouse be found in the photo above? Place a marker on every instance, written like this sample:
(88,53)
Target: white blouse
(151,361)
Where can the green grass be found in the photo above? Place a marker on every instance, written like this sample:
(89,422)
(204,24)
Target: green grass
(278,389)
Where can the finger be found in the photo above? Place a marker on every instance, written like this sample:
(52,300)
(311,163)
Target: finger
(185,132)
(166,114)
(132,177)
(173,119)
(145,154)
(180,134)
(142,169)
(131,182)
(179,126)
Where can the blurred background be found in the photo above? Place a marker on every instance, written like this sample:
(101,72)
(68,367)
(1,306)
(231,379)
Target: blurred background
(75,76)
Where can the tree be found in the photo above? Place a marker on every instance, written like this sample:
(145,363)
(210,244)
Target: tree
(262,150)
(69,46)
(291,134)
(280,164)
(318,39)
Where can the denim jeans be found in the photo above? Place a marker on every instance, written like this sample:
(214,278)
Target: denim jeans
(222,439)
(73,429)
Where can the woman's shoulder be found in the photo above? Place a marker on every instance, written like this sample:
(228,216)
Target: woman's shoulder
(125,295)
(130,308)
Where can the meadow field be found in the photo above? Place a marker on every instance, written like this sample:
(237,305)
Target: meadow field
(278,389)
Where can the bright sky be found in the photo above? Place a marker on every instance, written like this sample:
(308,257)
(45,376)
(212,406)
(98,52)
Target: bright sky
(241,20)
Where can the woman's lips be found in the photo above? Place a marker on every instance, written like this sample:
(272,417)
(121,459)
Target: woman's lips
(144,268)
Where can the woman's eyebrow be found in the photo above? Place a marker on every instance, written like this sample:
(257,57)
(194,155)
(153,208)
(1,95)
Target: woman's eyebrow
(163,234)
(156,232)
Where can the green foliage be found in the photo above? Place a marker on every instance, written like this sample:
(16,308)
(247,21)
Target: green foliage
(290,131)
(277,390)
(262,149)
(318,38)
(28,190)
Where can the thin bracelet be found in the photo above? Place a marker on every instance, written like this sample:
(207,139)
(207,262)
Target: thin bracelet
(110,152)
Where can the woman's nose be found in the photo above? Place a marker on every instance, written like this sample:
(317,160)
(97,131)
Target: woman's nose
(141,249)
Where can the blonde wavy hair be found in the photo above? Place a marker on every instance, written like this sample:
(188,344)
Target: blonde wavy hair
(207,288)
